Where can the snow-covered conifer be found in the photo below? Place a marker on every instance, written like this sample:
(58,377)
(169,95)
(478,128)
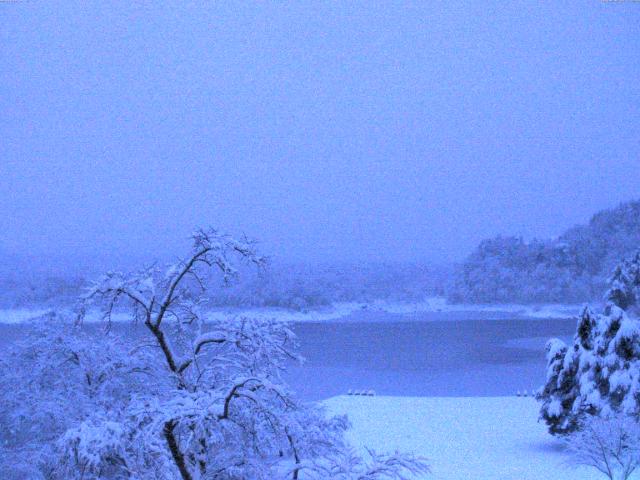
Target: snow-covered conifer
(624,284)
(600,372)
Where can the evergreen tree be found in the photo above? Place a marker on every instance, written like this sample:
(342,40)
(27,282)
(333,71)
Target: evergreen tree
(624,290)
(600,372)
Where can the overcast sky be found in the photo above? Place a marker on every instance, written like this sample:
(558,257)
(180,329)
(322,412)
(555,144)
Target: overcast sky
(338,130)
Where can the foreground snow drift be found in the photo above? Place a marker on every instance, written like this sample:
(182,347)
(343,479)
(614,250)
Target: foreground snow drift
(479,438)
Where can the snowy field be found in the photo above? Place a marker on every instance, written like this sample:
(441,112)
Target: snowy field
(490,438)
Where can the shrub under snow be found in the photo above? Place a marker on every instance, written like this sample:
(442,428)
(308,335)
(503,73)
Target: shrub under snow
(610,444)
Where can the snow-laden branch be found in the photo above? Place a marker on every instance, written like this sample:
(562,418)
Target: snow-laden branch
(211,402)
(610,444)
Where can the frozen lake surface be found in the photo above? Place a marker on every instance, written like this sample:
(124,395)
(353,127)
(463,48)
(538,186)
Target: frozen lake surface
(470,357)
(407,355)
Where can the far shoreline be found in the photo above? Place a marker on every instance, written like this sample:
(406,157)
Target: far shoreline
(430,309)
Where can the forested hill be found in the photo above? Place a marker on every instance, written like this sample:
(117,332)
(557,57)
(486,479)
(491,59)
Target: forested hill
(571,268)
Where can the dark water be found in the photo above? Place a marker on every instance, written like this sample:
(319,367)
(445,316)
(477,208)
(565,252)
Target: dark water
(473,357)
(447,358)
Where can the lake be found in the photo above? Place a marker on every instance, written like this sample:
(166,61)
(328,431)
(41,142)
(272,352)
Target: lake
(472,357)
(415,355)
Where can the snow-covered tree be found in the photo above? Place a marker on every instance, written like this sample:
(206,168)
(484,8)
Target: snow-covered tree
(610,444)
(571,268)
(559,392)
(54,377)
(600,372)
(624,284)
(190,399)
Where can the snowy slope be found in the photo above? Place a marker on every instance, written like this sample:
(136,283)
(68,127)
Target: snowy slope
(472,438)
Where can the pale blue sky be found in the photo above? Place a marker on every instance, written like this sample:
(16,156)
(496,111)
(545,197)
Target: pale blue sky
(328,130)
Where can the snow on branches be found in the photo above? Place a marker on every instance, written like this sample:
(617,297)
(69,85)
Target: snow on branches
(624,284)
(599,373)
(610,444)
(171,396)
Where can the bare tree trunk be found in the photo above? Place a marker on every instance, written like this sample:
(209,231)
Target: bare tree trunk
(177,455)
(295,455)
(159,334)
(169,426)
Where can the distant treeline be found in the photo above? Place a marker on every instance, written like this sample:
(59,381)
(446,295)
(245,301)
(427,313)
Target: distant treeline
(571,268)
(39,291)
(300,287)
(291,286)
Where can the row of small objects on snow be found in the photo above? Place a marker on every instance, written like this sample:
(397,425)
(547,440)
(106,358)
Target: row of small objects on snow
(366,393)
(525,393)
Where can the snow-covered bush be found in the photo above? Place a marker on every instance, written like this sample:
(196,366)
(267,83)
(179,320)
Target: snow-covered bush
(600,372)
(610,444)
(59,373)
(174,396)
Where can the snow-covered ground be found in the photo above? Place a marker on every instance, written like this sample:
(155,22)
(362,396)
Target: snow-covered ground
(472,438)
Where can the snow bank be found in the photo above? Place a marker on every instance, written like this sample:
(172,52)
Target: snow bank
(25,315)
(20,315)
(430,305)
(487,438)
(436,305)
